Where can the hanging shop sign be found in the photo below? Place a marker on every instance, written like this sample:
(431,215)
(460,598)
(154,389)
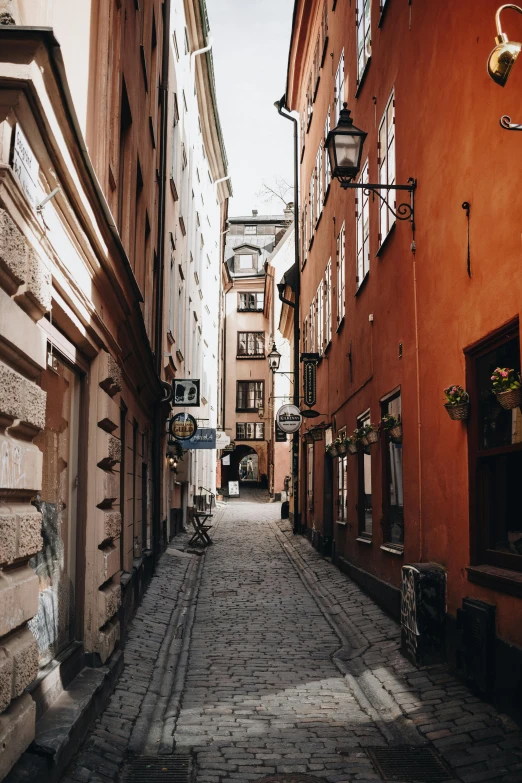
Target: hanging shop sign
(310,362)
(231,446)
(288,418)
(25,166)
(280,436)
(205,438)
(222,439)
(185,393)
(183,426)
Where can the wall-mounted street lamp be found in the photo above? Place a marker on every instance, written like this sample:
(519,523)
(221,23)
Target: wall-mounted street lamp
(345,145)
(502,59)
(261,412)
(173,462)
(274,358)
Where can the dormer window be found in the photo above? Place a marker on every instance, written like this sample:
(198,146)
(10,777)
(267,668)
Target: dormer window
(246,261)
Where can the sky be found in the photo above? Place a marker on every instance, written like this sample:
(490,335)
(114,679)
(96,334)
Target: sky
(250,49)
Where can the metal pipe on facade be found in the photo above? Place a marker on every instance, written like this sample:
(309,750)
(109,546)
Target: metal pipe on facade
(158,326)
(280,105)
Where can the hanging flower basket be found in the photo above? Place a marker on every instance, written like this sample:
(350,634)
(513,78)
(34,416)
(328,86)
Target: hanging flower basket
(372,436)
(506,387)
(458,412)
(457,402)
(395,433)
(510,399)
(352,447)
(342,447)
(332,451)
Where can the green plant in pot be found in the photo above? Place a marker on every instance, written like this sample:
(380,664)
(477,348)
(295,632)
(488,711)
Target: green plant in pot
(507,388)
(392,426)
(371,432)
(457,402)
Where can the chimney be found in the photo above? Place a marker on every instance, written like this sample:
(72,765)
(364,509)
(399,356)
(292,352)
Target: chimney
(289,212)
(254,212)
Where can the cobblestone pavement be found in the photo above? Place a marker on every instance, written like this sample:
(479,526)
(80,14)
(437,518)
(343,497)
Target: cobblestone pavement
(285,666)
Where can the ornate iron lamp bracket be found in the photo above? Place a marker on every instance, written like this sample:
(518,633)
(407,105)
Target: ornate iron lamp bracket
(505,122)
(403,211)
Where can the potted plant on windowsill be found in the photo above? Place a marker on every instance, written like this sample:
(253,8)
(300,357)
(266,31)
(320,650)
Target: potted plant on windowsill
(457,402)
(392,426)
(507,388)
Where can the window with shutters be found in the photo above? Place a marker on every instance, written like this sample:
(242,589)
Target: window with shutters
(327,170)
(339,89)
(362,232)
(250,395)
(364,42)
(328,304)
(250,345)
(386,161)
(340,276)
(319,311)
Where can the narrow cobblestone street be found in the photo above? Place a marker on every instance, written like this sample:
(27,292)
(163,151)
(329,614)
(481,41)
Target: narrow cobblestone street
(260,658)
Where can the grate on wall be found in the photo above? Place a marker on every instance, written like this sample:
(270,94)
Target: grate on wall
(157,769)
(409,764)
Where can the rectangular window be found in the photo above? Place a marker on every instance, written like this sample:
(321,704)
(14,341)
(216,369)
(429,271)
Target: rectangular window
(328,304)
(309,102)
(251,344)
(304,229)
(362,229)
(340,276)
(495,457)
(319,182)
(250,395)
(364,504)
(244,261)
(311,200)
(327,170)
(393,503)
(310,475)
(305,335)
(364,42)
(251,302)
(250,430)
(386,161)
(339,89)
(342,491)
(320,317)
(250,229)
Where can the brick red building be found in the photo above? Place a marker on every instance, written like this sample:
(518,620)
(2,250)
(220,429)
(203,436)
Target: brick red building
(397,315)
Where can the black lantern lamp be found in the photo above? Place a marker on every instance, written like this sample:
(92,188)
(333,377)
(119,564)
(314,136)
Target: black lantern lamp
(345,145)
(274,358)
(502,59)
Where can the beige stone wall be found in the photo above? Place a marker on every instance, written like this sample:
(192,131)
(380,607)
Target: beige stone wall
(25,293)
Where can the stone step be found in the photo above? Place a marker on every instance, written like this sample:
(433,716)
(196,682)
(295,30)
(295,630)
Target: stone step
(62,729)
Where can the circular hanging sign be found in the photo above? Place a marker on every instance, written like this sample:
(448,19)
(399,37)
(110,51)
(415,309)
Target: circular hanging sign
(183,426)
(289,418)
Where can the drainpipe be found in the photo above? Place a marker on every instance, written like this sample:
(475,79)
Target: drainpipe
(205,49)
(283,111)
(158,336)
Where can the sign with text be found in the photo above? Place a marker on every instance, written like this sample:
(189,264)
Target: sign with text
(233,489)
(183,426)
(280,436)
(25,166)
(222,439)
(288,418)
(185,393)
(310,361)
(205,438)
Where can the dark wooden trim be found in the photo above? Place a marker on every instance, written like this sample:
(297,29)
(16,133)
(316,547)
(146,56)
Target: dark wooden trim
(501,579)
(249,355)
(250,380)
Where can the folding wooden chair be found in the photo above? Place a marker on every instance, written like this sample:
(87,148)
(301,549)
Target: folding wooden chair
(200,528)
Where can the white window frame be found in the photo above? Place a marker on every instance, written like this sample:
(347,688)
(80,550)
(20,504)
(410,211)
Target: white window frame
(339,89)
(319,182)
(320,317)
(362,227)
(341,276)
(387,166)
(311,198)
(311,321)
(328,303)
(327,171)
(364,32)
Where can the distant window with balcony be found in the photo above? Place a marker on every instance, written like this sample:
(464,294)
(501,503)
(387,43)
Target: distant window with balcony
(251,302)
(250,430)
(250,395)
(251,345)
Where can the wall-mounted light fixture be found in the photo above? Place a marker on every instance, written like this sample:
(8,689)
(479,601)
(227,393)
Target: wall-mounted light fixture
(345,145)
(502,59)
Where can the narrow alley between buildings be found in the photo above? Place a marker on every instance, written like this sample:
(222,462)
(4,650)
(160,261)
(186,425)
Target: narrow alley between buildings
(260,661)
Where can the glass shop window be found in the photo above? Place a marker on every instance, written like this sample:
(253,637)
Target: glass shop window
(393,511)
(364,505)
(342,490)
